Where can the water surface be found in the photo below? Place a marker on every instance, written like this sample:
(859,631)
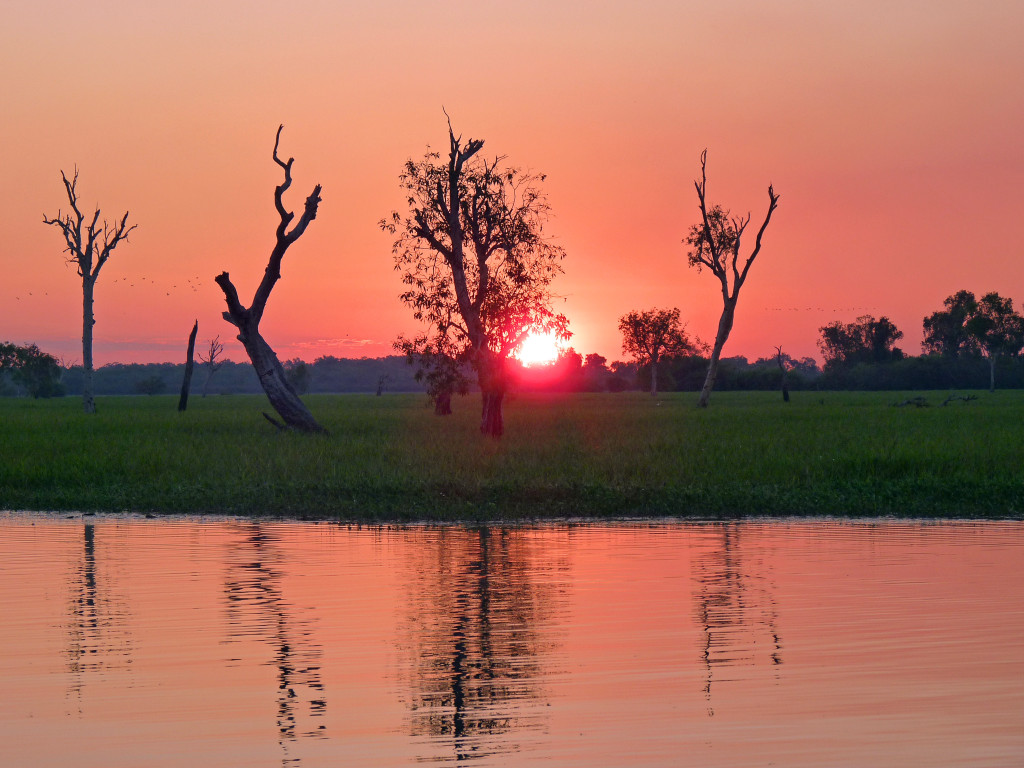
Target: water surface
(183,642)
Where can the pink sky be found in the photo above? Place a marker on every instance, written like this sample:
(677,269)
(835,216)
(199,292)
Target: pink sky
(892,130)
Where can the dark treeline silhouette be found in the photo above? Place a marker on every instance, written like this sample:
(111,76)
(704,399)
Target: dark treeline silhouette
(325,374)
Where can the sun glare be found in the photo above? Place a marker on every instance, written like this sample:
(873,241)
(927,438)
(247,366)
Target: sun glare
(539,349)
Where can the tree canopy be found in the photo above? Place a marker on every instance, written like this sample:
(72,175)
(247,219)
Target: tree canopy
(475,261)
(866,340)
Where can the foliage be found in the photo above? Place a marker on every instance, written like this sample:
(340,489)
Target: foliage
(151,385)
(995,326)
(652,334)
(298,375)
(31,370)
(475,262)
(945,331)
(866,340)
(388,458)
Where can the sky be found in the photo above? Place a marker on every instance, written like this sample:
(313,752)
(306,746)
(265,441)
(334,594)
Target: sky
(892,131)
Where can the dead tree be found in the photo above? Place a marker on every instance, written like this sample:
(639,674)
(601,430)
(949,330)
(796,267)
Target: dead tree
(785,370)
(715,244)
(247,320)
(190,361)
(89,245)
(212,360)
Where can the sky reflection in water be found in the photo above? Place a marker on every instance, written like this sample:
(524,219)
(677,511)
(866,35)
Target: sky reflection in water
(238,643)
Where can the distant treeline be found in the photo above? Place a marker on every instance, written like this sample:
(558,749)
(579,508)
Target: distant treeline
(570,373)
(325,374)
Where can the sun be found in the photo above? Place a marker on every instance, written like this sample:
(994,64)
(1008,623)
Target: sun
(539,349)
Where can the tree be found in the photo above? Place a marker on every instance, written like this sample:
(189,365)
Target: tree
(945,332)
(443,374)
(186,381)
(998,330)
(272,376)
(784,367)
(866,340)
(89,245)
(654,334)
(211,359)
(476,263)
(298,375)
(35,371)
(715,244)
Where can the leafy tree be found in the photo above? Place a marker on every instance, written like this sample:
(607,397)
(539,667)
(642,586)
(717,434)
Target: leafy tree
(476,263)
(866,340)
(652,335)
(298,376)
(595,373)
(151,385)
(945,331)
(89,245)
(714,243)
(279,390)
(35,371)
(998,330)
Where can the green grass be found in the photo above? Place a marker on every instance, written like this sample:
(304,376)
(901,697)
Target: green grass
(563,455)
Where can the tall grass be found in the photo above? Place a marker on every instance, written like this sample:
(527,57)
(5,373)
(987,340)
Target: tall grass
(563,455)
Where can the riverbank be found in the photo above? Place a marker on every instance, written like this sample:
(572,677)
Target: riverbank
(390,458)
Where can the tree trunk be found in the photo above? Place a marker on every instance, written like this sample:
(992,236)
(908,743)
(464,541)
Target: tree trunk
(654,377)
(189,363)
(282,396)
(443,403)
(992,373)
(492,422)
(88,400)
(724,328)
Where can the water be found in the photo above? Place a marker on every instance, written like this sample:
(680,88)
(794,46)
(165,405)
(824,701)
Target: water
(186,642)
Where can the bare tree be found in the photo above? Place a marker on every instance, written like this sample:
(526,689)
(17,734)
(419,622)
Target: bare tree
(211,359)
(247,320)
(715,243)
(475,260)
(190,361)
(89,245)
(652,335)
(783,364)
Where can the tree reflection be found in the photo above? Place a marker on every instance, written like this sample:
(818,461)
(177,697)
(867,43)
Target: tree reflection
(736,606)
(477,606)
(256,609)
(98,637)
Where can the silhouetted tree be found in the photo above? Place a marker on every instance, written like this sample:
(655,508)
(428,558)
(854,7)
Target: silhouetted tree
(864,341)
(998,330)
(151,385)
(654,334)
(279,390)
(595,373)
(212,360)
(475,262)
(35,371)
(784,369)
(186,382)
(945,332)
(438,364)
(715,243)
(89,245)
(298,375)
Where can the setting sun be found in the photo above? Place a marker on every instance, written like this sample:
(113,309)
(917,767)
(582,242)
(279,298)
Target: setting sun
(539,349)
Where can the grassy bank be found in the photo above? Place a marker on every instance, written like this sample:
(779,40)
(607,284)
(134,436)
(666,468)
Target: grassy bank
(563,455)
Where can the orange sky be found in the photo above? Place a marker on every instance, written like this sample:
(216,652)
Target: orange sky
(892,131)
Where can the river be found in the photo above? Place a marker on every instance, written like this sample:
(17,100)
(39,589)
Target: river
(128,641)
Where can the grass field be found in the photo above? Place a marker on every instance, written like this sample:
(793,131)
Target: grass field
(390,458)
